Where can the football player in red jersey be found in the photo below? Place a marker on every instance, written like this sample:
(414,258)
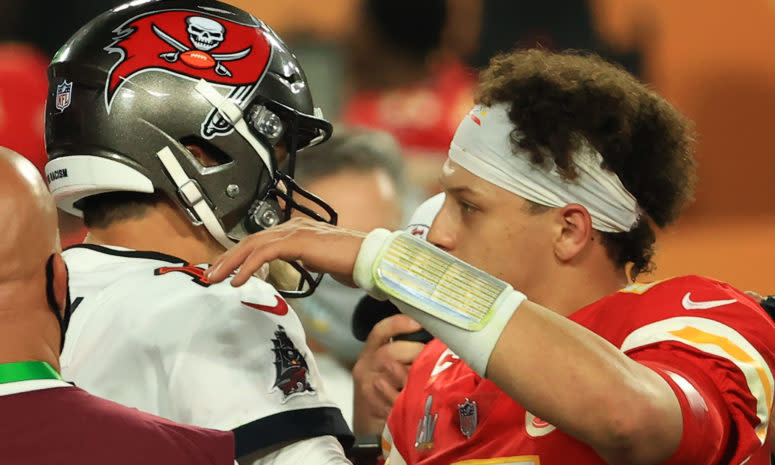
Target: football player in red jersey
(552,354)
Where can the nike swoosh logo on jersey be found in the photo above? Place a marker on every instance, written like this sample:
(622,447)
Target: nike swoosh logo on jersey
(280,308)
(690,304)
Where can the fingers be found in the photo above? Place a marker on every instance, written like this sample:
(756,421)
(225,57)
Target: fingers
(250,255)
(387,394)
(391,362)
(389,328)
(375,395)
(255,248)
(382,369)
(395,374)
(403,351)
(318,245)
(229,261)
(254,261)
(755,295)
(371,408)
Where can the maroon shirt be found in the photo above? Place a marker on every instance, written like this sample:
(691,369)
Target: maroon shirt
(67,425)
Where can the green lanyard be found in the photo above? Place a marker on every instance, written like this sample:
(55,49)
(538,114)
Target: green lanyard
(25,371)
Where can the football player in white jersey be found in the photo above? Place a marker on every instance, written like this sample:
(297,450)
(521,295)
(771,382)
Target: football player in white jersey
(167,126)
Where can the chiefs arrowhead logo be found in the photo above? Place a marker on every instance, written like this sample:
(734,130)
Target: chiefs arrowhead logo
(194,45)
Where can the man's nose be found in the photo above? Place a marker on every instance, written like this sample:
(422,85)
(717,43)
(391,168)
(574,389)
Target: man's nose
(441,233)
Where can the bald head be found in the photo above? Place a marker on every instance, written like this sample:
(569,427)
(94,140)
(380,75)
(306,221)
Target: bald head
(32,300)
(30,220)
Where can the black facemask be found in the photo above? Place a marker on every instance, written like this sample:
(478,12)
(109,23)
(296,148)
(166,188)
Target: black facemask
(62,317)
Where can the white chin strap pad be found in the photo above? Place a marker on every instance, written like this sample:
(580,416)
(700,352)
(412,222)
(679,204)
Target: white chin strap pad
(461,305)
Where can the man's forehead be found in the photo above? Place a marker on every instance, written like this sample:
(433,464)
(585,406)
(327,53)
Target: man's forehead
(457,180)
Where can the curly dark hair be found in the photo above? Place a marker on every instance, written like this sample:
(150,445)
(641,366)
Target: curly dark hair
(560,100)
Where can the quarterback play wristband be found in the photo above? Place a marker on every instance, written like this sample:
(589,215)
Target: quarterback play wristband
(461,305)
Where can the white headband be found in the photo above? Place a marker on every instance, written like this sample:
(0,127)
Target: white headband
(482,145)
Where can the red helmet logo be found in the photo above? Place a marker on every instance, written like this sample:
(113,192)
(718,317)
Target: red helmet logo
(194,45)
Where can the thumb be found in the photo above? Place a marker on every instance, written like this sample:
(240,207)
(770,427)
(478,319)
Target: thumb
(388,328)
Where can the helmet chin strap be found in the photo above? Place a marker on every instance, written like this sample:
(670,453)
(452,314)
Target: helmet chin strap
(191,193)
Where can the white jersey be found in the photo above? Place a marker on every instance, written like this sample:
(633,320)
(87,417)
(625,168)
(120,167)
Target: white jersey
(148,331)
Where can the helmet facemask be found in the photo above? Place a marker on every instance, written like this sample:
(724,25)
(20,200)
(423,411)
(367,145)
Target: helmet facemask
(279,126)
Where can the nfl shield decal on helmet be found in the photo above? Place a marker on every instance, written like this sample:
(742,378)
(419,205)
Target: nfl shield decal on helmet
(64,95)
(290,366)
(196,46)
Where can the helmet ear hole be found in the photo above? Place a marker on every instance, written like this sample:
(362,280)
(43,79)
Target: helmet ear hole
(204,152)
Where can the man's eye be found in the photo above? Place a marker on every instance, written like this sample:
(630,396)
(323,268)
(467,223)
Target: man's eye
(467,207)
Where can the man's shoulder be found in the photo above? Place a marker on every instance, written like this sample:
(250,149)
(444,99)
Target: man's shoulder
(137,422)
(112,427)
(674,304)
(695,296)
(149,281)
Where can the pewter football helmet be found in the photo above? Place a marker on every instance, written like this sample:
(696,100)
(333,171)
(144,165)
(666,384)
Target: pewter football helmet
(136,85)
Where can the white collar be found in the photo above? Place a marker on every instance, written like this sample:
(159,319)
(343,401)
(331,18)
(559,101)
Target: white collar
(7,389)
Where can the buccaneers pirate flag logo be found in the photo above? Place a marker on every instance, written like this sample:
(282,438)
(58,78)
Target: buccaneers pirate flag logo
(290,366)
(196,46)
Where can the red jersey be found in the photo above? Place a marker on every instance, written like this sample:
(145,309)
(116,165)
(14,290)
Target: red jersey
(63,424)
(689,329)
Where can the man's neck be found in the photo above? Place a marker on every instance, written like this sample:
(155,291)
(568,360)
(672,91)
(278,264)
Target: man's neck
(164,228)
(573,288)
(22,339)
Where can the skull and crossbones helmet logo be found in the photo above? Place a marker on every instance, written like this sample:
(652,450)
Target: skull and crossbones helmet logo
(204,33)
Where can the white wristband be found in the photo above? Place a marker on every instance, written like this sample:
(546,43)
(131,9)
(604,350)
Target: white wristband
(461,305)
(367,257)
(474,347)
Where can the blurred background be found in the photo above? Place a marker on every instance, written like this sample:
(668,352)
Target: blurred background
(411,74)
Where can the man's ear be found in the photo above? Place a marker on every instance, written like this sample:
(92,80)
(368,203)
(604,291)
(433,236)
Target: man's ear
(59,280)
(575,232)
(207,158)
